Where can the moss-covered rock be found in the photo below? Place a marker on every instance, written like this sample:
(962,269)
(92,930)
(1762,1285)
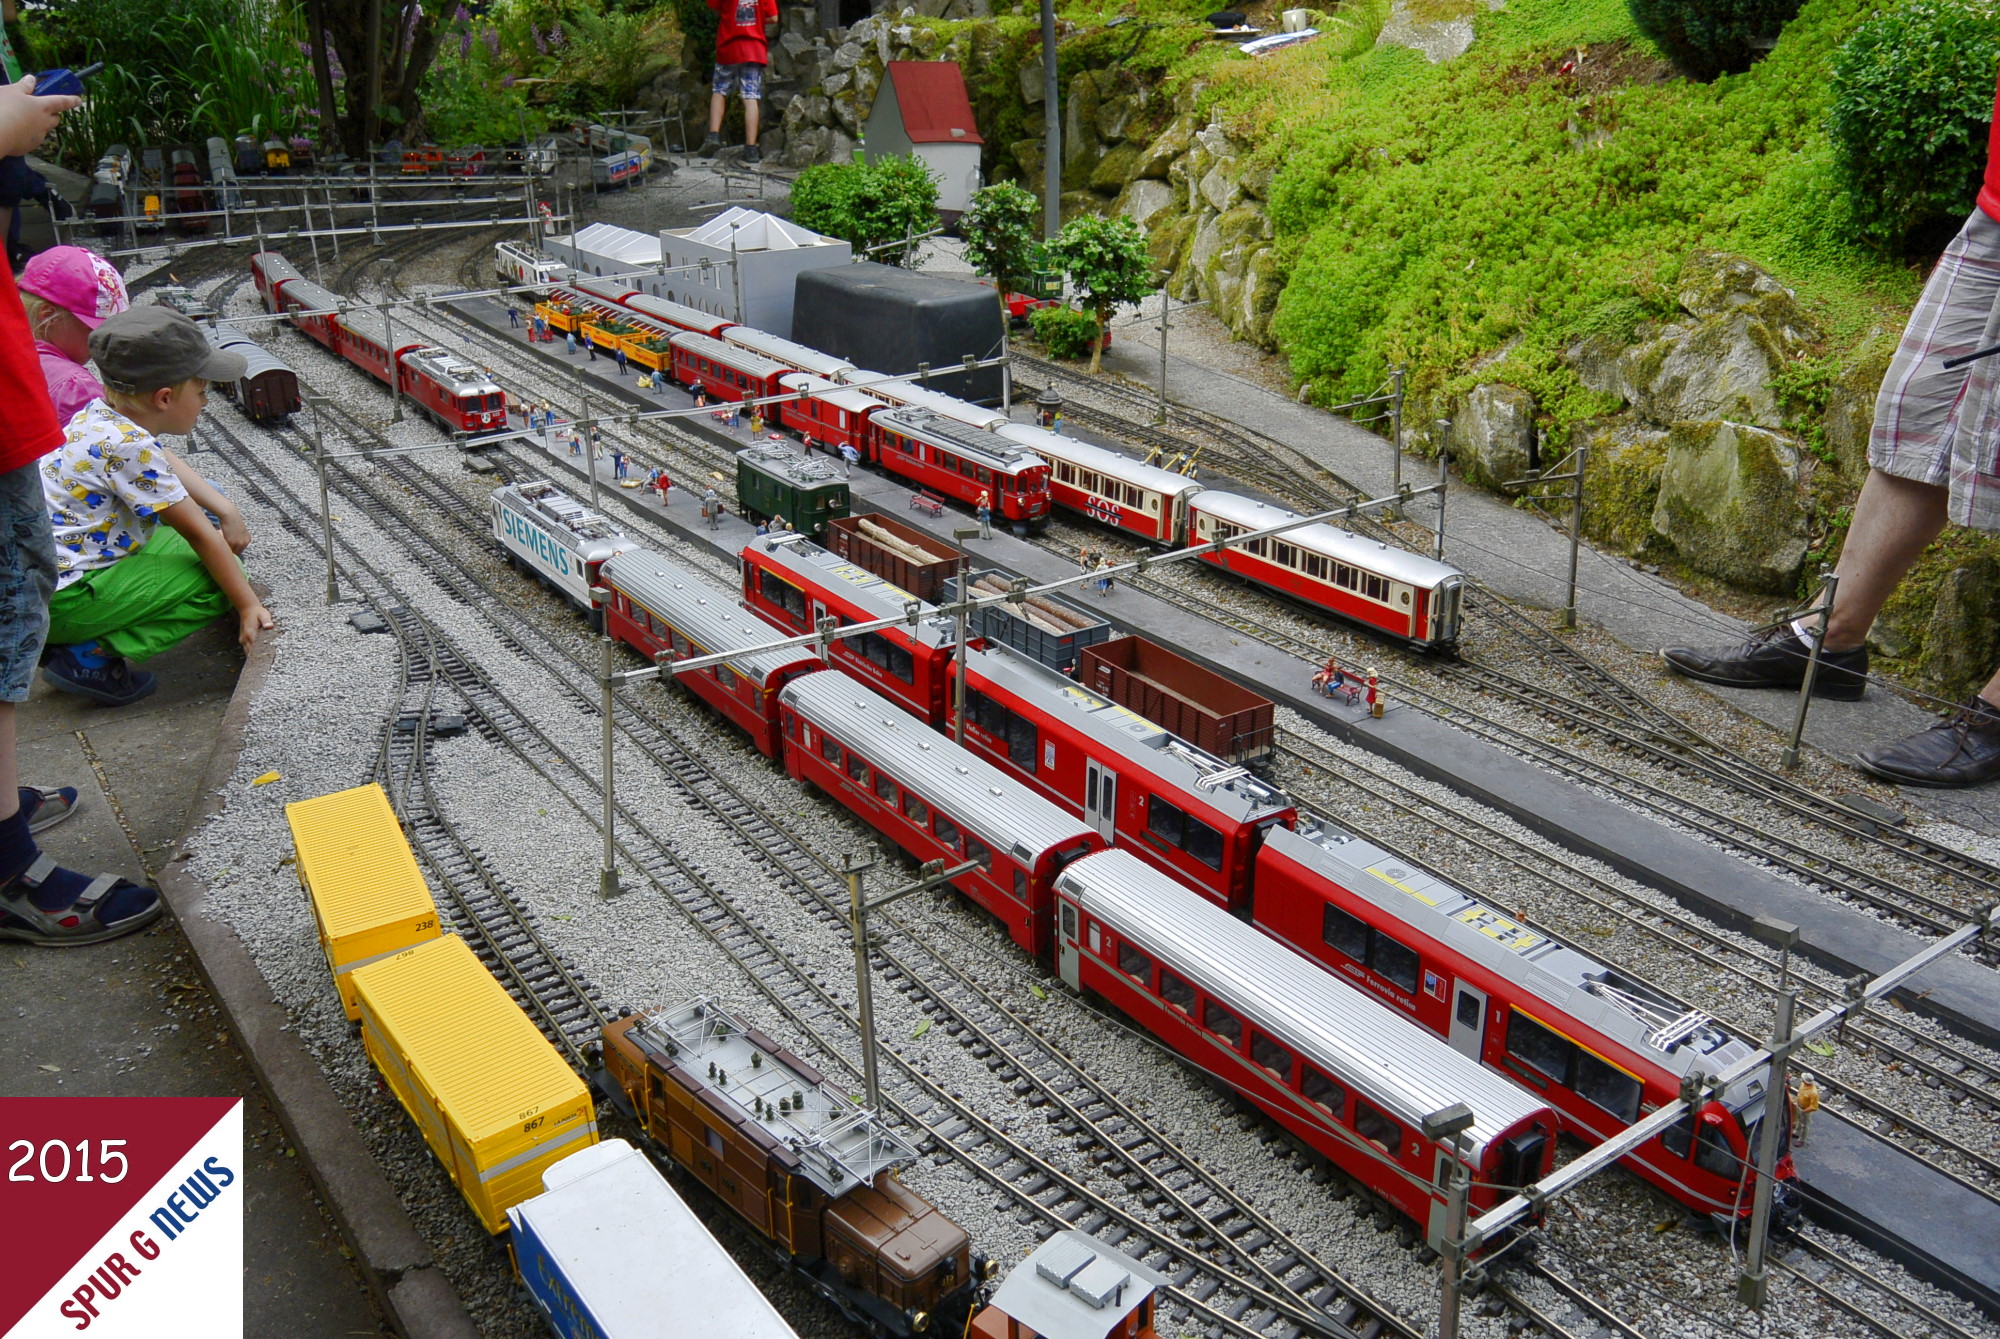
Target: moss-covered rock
(1165,149)
(1621,481)
(1850,403)
(1493,433)
(1145,202)
(1730,503)
(1117,167)
(1718,367)
(1962,641)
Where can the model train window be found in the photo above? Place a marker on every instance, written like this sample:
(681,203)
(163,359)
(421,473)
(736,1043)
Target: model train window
(857,768)
(976,850)
(1222,1023)
(1176,992)
(1607,1086)
(1021,885)
(1677,1137)
(1134,964)
(1322,1092)
(884,654)
(1468,1009)
(1537,1047)
(1017,732)
(1378,1129)
(1271,1056)
(1165,820)
(946,830)
(1203,842)
(885,789)
(829,750)
(1355,938)
(1713,1154)
(782,593)
(916,810)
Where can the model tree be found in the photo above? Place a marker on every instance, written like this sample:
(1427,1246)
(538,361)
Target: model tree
(874,207)
(1001,237)
(1108,266)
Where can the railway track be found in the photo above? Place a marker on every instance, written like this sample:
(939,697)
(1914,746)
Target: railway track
(1236,1270)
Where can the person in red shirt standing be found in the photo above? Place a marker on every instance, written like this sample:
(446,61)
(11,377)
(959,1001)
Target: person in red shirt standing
(742,50)
(40,902)
(1933,457)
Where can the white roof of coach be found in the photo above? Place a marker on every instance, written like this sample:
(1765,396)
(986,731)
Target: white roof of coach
(829,392)
(1112,464)
(910,395)
(786,351)
(981,445)
(587,533)
(882,599)
(704,613)
(1000,811)
(677,314)
(755,364)
(1396,564)
(1372,1051)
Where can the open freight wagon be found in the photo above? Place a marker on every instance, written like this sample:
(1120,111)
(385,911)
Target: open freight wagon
(899,553)
(1192,701)
(1055,632)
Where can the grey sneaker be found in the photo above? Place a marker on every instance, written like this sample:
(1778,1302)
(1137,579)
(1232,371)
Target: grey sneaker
(752,154)
(711,146)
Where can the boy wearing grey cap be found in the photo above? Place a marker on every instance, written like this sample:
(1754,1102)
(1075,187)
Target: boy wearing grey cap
(126,588)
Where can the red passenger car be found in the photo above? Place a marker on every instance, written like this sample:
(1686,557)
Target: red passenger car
(668,613)
(1143,500)
(1603,1051)
(1181,810)
(312,309)
(933,799)
(1404,594)
(957,460)
(723,370)
(1352,1079)
(792,583)
(269,271)
(825,414)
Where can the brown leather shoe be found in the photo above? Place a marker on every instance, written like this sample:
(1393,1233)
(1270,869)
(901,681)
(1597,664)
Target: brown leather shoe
(1774,658)
(1955,753)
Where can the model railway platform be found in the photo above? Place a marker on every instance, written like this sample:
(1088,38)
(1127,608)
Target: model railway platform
(1923,1228)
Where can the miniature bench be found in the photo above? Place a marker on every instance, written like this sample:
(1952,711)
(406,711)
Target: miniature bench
(925,502)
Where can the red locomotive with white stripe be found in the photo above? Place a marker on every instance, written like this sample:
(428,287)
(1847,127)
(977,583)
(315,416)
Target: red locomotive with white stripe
(956,460)
(1143,500)
(457,394)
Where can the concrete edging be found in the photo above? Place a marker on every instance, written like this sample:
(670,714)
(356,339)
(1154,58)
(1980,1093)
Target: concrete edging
(397,1265)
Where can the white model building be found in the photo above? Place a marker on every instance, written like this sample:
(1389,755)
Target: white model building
(922,108)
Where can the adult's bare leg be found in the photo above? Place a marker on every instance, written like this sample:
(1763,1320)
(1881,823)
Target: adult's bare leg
(750,110)
(1895,520)
(717,105)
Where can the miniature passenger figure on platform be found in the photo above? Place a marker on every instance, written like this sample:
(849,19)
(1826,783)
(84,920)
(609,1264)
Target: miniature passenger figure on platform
(1933,457)
(1806,1103)
(742,50)
(513,316)
(126,589)
(666,487)
(985,514)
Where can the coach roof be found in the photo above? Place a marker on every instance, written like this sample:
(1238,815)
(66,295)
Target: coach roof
(976,795)
(704,613)
(1394,563)
(1371,1050)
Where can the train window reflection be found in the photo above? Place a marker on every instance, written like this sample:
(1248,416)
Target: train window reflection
(1176,992)
(1222,1023)
(1378,1129)
(1607,1086)
(1344,934)
(1134,963)
(1537,1047)
(1323,1092)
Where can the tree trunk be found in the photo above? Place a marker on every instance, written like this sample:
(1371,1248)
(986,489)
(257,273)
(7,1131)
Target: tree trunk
(322,75)
(1097,344)
(366,51)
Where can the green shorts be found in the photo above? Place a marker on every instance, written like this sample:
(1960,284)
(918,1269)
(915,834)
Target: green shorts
(143,604)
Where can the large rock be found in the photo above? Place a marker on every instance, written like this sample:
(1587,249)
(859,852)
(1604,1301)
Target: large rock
(1595,361)
(1850,403)
(808,144)
(1717,281)
(1028,153)
(1731,504)
(1030,72)
(1080,118)
(1493,433)
(1962,639)
(1621,480)
(1144,202)
(849,53)
(1719,367)
(1115,169)
(1218,186)
(1162,153)
(1114,117)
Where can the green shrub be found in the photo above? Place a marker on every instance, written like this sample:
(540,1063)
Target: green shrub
(870,206)
(1912,100)
(1064,331)
(1707,38)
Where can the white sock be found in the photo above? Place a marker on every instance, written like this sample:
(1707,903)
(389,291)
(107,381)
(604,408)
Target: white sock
(1806,634)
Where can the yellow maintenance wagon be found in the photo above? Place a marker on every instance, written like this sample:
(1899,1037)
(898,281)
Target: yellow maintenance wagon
(495,1100)
(368,896)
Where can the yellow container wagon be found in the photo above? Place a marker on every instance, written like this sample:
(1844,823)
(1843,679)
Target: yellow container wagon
(368,896)
(495,1101)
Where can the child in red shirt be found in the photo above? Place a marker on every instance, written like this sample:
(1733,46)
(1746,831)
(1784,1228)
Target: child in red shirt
(742,50)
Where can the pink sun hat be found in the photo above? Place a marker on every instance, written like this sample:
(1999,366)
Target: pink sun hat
(81,282)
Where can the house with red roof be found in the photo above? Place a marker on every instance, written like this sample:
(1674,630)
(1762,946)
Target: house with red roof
(922,108)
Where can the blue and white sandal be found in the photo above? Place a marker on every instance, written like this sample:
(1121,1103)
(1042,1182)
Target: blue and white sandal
(107,908)
(47,806)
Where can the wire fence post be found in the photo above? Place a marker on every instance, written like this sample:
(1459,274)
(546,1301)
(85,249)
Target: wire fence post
(318,404)
(1166,320)
(1753,1284)
(1575,532)
(589,430)
(374,200)
(864,986)
(607,878)
(332,224)
(1829,582)
(958,537)
(395,366)
(1443,1128)
(1396,429)
(1444,478)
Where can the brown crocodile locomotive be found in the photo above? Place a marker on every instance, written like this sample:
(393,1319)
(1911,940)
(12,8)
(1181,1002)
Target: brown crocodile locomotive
(798,1161)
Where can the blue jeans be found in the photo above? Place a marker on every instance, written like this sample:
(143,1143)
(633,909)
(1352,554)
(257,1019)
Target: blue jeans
(27,579)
